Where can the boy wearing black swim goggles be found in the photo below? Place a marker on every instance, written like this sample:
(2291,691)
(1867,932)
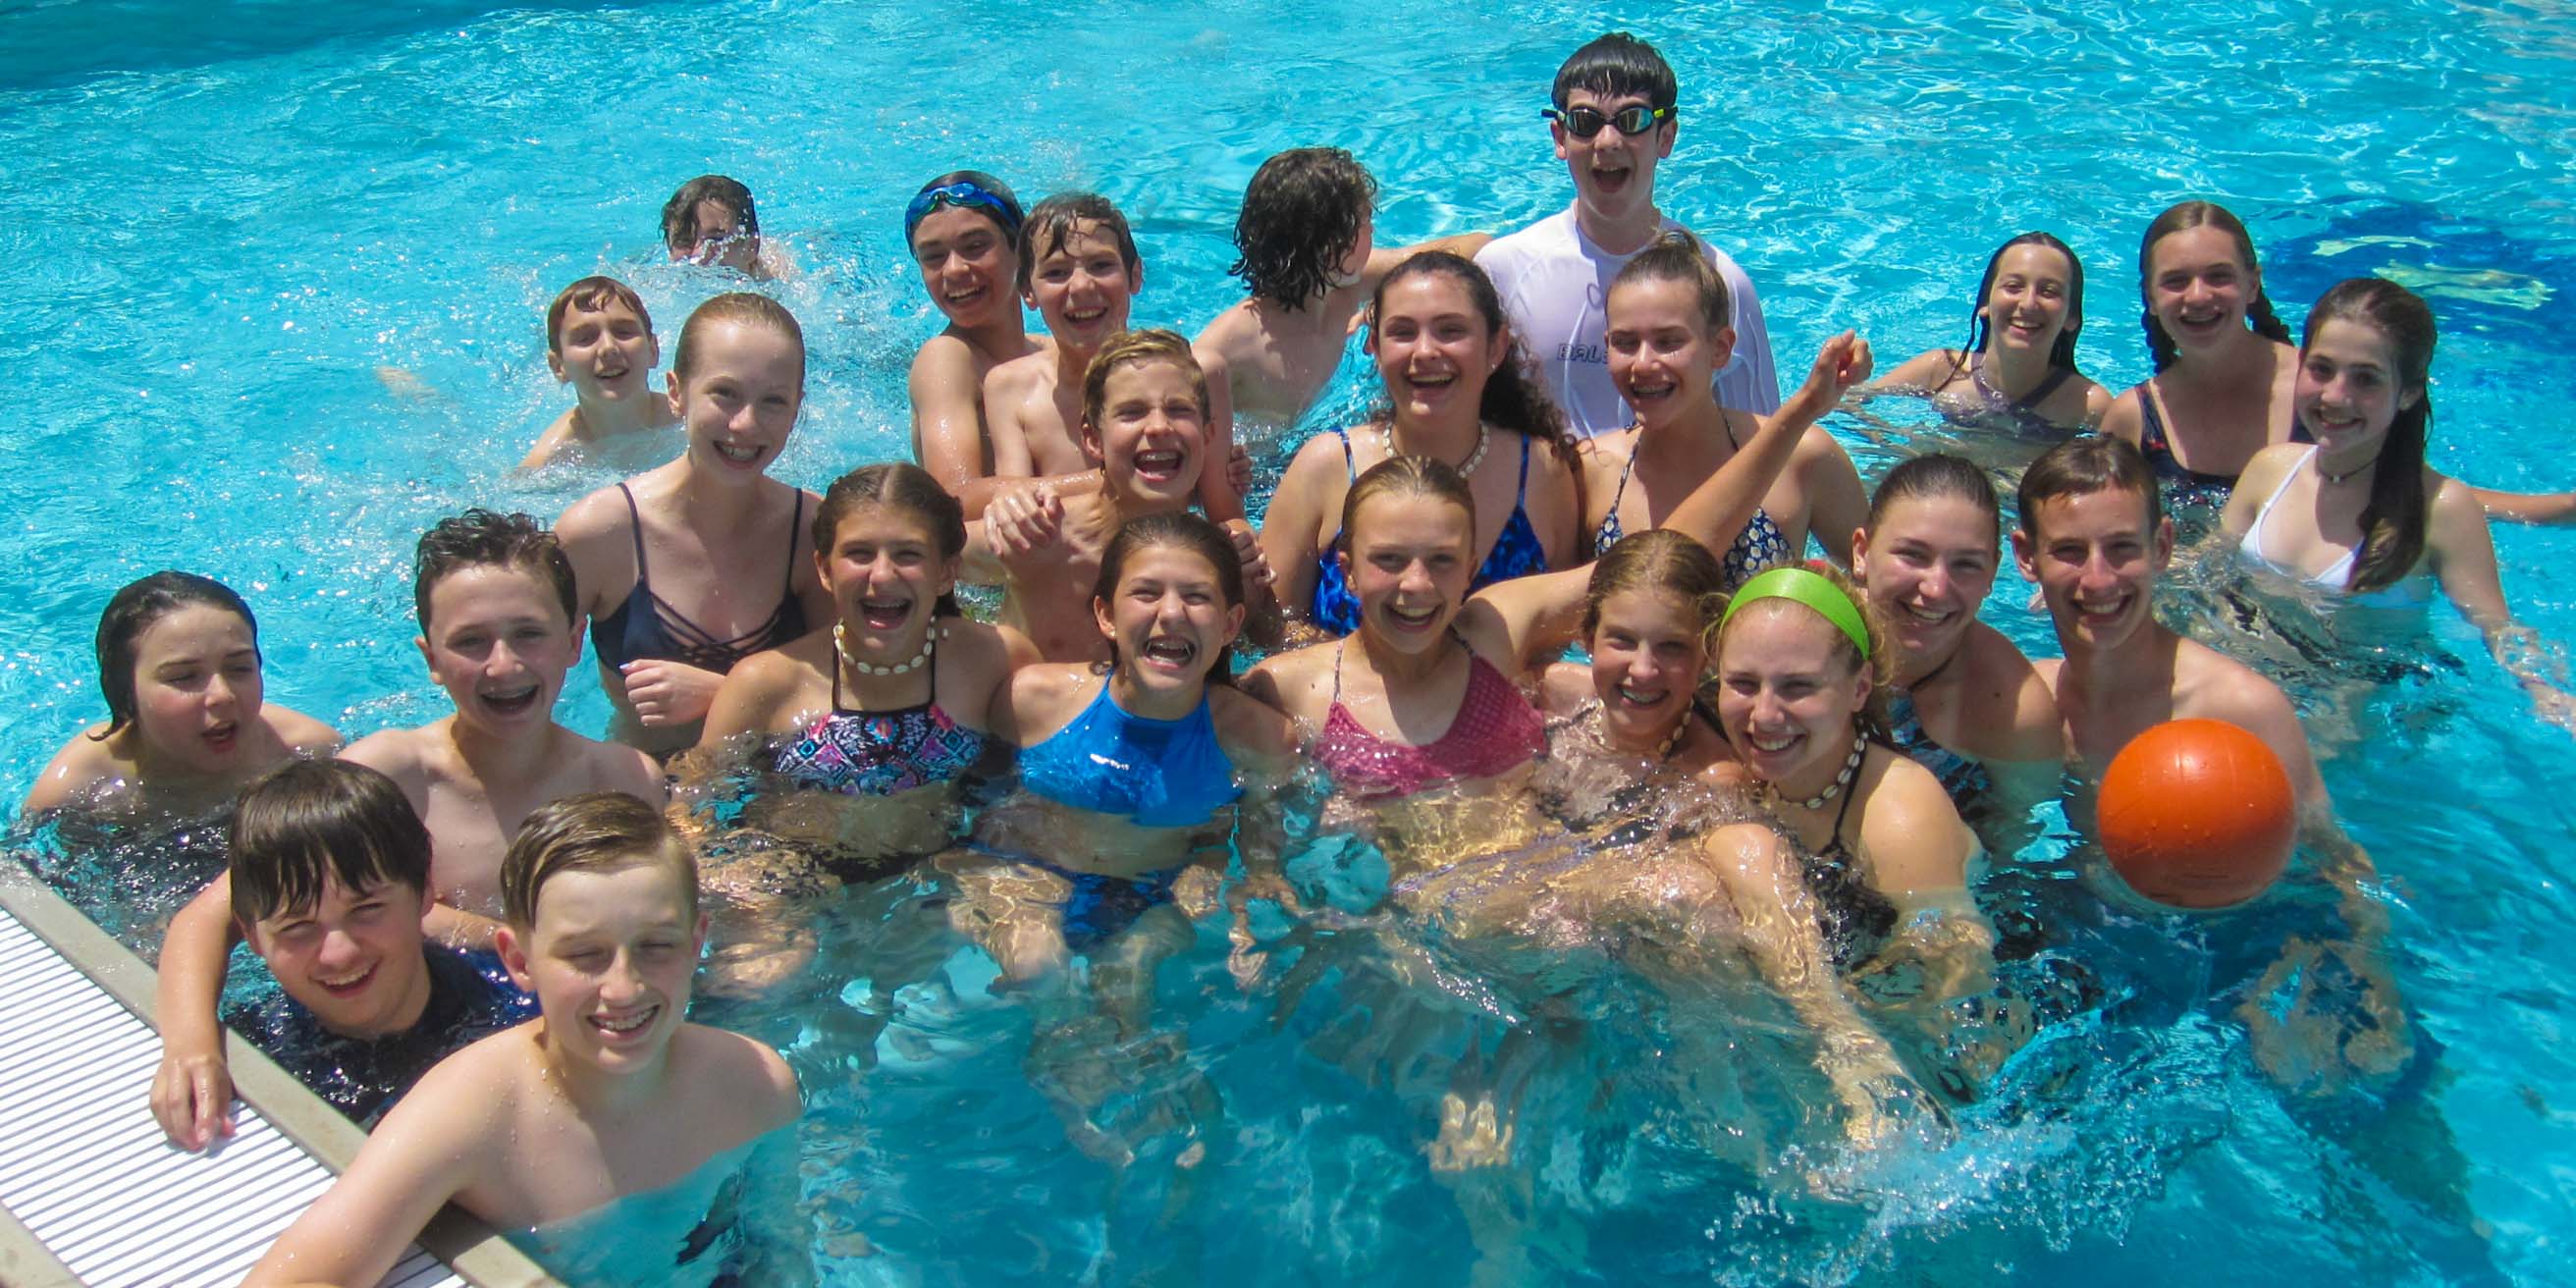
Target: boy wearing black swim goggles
(1612,120)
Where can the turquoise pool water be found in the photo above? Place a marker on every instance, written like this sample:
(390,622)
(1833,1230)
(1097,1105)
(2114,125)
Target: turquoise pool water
(223,222)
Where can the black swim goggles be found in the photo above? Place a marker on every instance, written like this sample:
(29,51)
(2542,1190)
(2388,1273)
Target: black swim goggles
(1632,120)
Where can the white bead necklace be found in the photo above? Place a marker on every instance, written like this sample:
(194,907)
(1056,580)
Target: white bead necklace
(841,646)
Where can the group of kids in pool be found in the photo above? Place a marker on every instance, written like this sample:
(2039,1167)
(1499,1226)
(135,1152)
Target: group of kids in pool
(1583,443)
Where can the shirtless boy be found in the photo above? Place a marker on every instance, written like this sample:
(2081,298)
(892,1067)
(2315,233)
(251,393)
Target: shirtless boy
(1309,258)
(495,598)
(599,340)
(1080,271)
(2094,537)
(609,1092)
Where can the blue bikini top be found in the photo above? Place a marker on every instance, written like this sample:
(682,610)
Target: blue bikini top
(1160,773)
(1517,552)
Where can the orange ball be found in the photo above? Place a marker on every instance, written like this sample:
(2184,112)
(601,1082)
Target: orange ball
(2198,814)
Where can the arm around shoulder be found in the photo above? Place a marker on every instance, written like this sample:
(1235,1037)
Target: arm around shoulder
(1254,733)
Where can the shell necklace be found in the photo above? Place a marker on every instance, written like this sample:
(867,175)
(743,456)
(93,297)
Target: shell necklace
(841,646)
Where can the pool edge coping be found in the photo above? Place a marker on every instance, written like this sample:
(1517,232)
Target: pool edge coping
(473,1250)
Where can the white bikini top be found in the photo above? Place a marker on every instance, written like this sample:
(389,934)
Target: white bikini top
(2414,590)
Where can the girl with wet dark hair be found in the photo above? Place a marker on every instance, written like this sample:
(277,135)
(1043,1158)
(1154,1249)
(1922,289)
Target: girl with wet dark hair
(179,665)
(2017,369)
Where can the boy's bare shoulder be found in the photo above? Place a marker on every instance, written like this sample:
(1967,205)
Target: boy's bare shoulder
(593,765)
(728,1073)
(1230,335)
(483,1084)
(2211,685)
(403,755)
(1018,377)
(559,440)
(943,356)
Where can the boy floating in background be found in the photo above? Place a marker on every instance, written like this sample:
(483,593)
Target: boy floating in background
(599,340)
(329,877)
(711,220)
(610,1092)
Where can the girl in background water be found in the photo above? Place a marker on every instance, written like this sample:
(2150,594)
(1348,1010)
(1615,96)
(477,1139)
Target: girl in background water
(2018,370)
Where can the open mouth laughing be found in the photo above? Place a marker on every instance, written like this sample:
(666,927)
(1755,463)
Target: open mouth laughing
(1169,653)
(512,700)
(885,614)
(1160,464)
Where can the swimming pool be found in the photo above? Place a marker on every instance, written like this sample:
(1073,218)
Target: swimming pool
(224,226)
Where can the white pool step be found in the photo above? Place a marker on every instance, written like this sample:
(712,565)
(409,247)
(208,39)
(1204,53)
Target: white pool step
(96,1195)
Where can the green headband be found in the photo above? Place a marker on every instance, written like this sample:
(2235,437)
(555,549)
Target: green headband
(1806,587)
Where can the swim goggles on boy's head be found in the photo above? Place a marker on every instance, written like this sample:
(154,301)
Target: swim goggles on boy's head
(963,193)
(1805,586)
(1584,122)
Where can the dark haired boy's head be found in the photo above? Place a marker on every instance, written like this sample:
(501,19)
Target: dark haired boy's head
(1615,66)
(1613,123)
(330,876)
(480,538)
(711,219)
(1307,225)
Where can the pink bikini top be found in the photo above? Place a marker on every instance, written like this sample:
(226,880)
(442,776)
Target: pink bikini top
(1495,731)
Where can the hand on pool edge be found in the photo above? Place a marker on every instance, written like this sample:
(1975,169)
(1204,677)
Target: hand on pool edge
(192,1097)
